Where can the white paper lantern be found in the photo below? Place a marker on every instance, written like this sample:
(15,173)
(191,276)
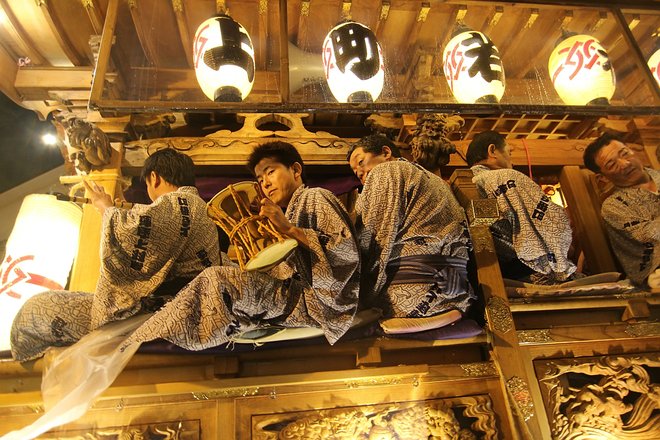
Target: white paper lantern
(353,63)
(223,57)
(581,71)
(39,254)
(473,68)
(654,65)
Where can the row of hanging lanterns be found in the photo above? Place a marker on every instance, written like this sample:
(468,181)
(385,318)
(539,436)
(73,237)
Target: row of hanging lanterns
(353,65)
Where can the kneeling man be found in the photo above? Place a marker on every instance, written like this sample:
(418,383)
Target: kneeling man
(412,234)
(534,236)
(317,285)
(632,211)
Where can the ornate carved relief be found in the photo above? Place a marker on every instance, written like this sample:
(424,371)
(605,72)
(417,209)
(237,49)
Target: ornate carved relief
(175,430)
(147,126)
(226,393)
(479,369)
(459,418)
(431,146)
(233,147)
(522,398)
(499,314)
(386,124)
(609,397)
(88,146)
(534,336)
(643,329)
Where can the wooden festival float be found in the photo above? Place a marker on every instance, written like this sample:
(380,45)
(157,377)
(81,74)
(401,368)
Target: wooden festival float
(117,79)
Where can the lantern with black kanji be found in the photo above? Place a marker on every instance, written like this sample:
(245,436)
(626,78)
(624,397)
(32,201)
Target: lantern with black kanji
(353,63)
(223,57)
(473,67)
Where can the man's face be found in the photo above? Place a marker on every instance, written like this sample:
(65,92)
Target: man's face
(278,181)
(503,157)
(362,163)
(620,165)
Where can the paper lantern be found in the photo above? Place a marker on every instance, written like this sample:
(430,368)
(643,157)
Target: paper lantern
(473,68)
(353,63)
(654,65)
(581,71)
(223,57)
(39,254)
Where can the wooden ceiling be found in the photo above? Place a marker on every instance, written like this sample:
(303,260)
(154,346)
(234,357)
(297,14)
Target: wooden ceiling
(148,68)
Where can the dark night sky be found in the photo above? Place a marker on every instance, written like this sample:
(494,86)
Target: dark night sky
(23,156)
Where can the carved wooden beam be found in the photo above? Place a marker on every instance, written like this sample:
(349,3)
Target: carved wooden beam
(233,148)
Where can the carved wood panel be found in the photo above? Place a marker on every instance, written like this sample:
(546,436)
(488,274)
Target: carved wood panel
(608,397)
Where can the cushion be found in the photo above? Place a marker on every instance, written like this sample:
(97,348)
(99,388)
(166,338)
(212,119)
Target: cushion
(395,326)
(277,333)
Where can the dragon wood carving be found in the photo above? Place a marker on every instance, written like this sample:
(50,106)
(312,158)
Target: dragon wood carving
(438,420)
(618,401)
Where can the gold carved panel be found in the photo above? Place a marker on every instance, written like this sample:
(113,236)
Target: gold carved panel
(174,430)
(456,418)
(609,397)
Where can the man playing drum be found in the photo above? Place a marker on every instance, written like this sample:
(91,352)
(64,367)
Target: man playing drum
(316,286)
(412,235)
(146,252)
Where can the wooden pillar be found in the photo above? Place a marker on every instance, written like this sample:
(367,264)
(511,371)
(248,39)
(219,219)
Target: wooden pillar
(86,266)
(516,379)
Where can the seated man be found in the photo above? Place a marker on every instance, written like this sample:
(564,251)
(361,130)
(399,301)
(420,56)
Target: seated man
(632,211)
(534,236)
(412,235)
(146,252)
(316,286)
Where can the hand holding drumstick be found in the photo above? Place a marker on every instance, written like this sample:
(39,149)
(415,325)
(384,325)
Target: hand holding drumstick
(274,213)
(97,195)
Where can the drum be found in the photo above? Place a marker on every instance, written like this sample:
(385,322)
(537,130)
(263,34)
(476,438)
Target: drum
(258,245)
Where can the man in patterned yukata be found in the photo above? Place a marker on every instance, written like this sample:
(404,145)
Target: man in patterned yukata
(632,211)
(148,253)
(412,234)
(316,286)
(534,236)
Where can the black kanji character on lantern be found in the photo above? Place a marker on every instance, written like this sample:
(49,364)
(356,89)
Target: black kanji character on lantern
(353,41)
(486,55)
(231,51)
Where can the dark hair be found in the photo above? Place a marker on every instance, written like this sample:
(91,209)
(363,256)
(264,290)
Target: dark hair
(282,152)
(589,156)
(478,148)
(173,167)
(374,144)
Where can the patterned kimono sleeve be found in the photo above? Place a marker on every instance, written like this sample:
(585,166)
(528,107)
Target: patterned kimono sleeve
(139,247)
(380,215)
(334,261)
(635,237)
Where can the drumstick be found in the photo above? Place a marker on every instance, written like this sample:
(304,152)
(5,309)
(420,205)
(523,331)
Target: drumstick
(63,197)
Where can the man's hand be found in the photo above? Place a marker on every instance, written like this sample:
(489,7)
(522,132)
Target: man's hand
(274,213)
(276,216)
(97,195)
